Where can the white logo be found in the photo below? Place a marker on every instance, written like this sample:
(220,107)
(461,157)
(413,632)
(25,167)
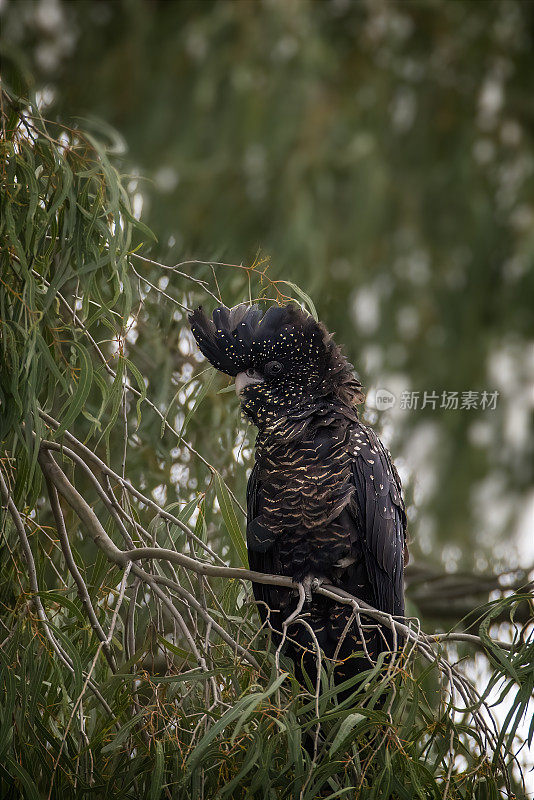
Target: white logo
(384,399)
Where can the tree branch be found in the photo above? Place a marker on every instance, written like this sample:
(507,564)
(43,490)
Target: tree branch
(34,586)
(102,540)
(76,575)
(113,553)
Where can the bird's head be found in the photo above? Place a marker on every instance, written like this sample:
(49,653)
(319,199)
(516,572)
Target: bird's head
(281,359)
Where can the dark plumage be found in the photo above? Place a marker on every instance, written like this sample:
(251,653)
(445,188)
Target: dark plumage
(324,500)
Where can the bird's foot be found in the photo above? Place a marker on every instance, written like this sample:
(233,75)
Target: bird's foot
(310,583)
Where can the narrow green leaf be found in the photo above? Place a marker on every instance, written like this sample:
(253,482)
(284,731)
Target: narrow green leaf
(230,519)
(74,406)
(125,731)
(18,772)
(261,698)
(303,296)
(199,397)
(156,783)
(344,730)
(140,385)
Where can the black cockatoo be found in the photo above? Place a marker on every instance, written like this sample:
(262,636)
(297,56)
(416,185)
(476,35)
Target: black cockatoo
(324,499)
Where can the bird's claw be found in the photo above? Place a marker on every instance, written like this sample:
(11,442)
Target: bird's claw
(309,584)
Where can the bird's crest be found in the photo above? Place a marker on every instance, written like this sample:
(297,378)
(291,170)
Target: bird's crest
(236,337)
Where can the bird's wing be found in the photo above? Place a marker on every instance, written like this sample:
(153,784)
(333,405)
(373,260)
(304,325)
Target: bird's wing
(378,517)
(262,556)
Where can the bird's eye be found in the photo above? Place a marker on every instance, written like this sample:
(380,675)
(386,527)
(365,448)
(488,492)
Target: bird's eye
(273,368)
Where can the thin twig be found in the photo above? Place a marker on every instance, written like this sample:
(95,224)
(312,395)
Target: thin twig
(121,557)
(100,647)
(76,575)
(137,393)
(34,586)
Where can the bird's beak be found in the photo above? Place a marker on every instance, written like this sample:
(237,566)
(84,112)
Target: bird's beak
(244,379)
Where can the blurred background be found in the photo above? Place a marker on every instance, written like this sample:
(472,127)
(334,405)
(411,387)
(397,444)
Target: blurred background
(378,154)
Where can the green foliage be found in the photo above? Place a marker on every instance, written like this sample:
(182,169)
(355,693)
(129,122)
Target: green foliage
(67,229)
(380,153)
(118,685)
(395,735)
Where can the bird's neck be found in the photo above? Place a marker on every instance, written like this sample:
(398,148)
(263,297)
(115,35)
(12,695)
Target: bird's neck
(299,422)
